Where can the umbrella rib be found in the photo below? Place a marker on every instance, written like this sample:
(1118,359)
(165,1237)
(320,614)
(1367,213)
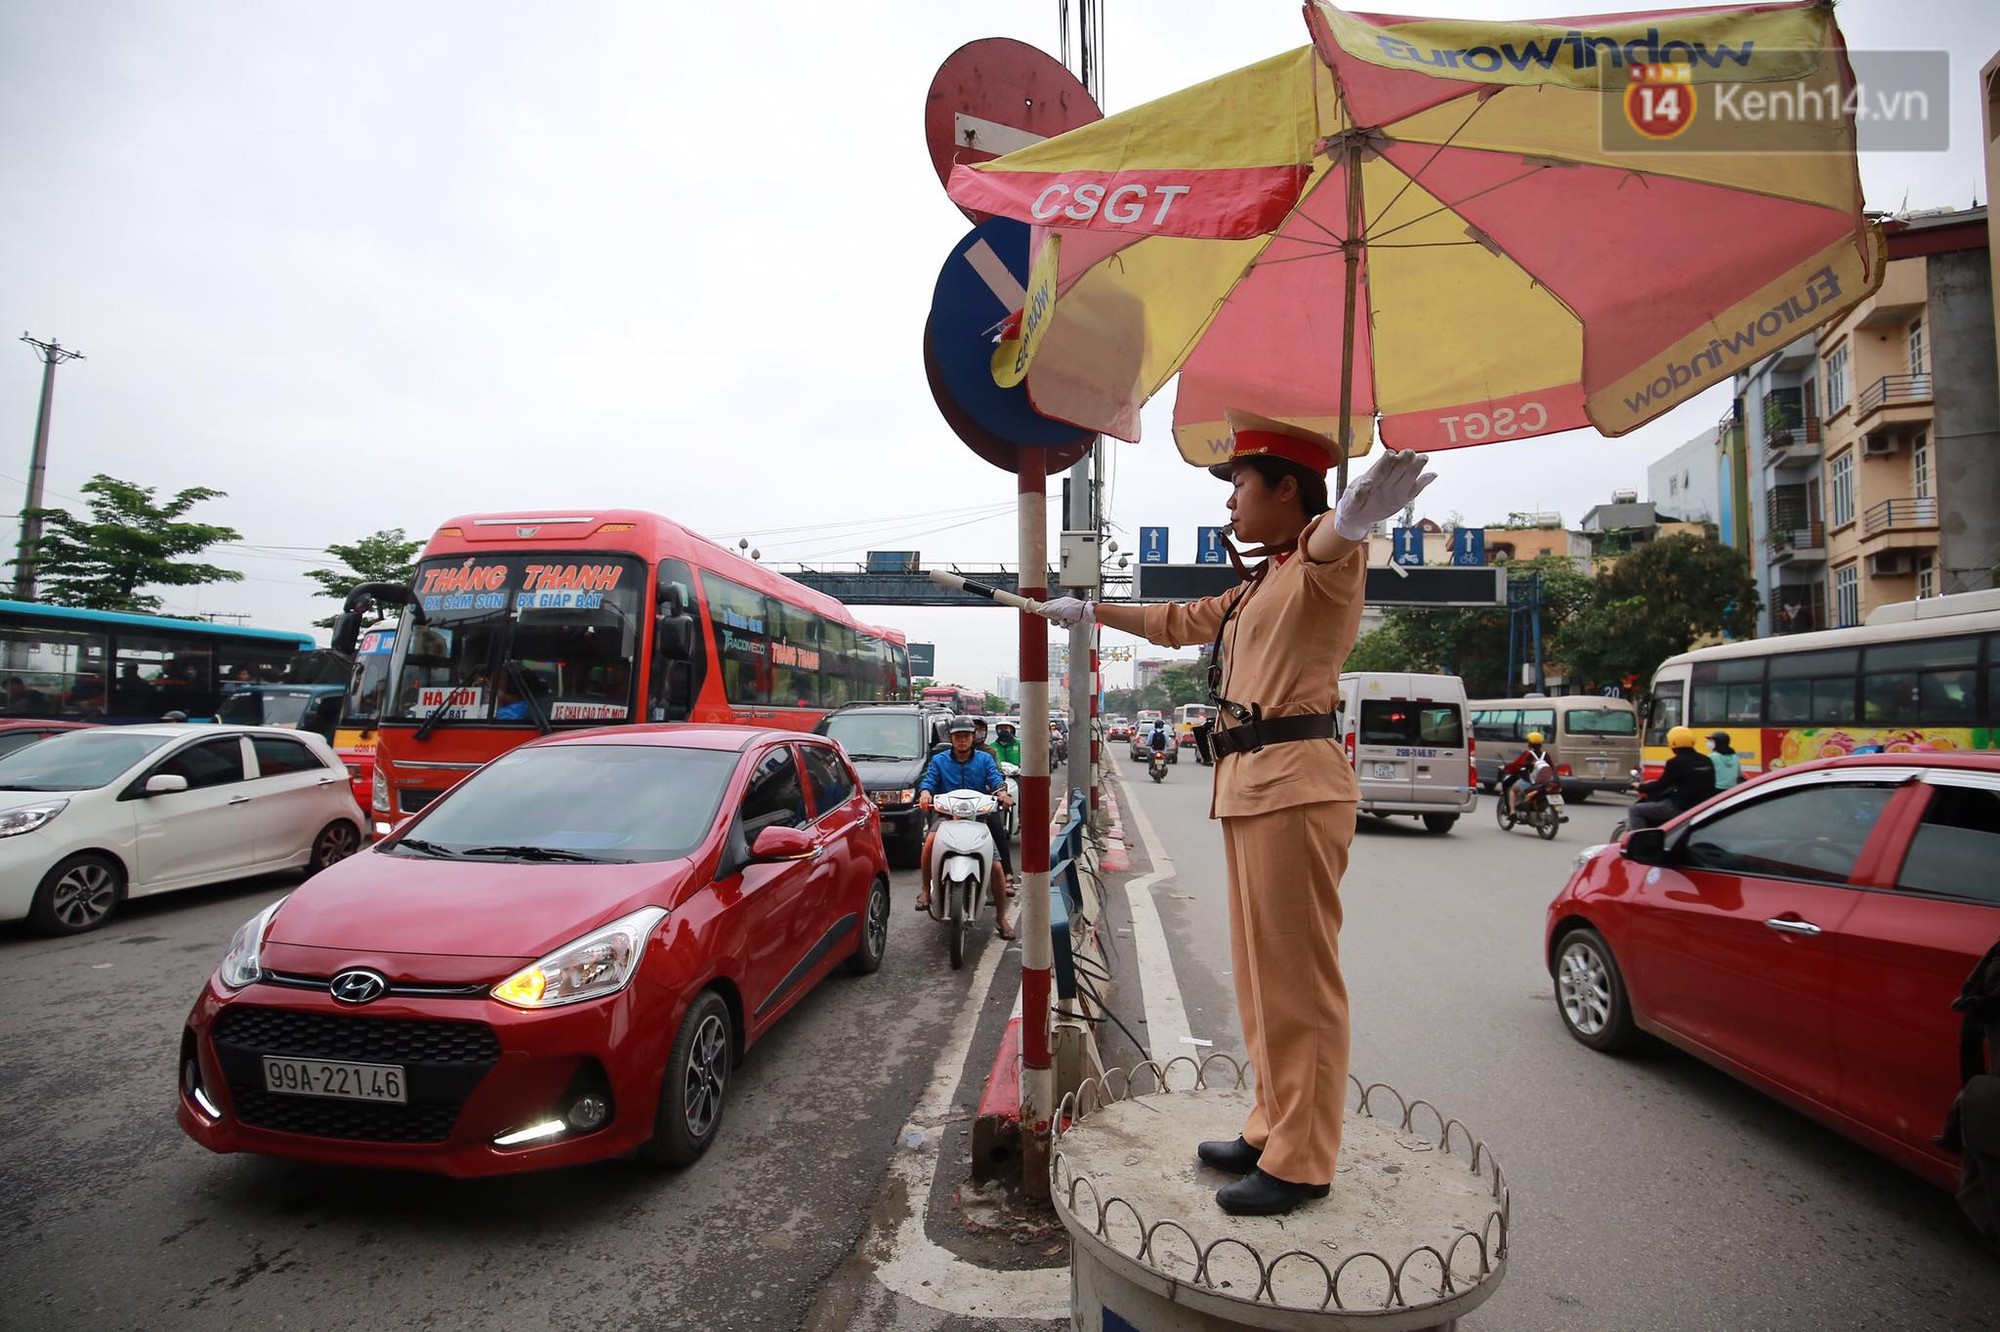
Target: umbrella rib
(1411,178)
(1454,205)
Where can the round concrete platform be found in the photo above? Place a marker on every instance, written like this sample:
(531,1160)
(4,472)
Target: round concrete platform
(1413,1236)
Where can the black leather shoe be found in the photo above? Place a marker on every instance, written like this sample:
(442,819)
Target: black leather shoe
(1238,1157)
(1259,1194)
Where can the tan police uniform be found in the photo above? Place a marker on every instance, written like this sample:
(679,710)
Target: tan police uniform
(1287,816)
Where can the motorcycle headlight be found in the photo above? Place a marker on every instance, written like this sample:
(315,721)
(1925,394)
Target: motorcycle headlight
(244,963)
(601,963)
(30,817)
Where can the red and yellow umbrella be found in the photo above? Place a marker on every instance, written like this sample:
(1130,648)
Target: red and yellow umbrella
(1469,231)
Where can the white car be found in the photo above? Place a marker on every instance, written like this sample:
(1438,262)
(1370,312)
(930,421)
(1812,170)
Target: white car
(90,817)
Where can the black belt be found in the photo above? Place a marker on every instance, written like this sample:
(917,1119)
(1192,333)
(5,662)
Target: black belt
(1253,735)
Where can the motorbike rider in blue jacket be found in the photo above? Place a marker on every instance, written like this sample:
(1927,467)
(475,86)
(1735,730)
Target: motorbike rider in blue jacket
(965,768)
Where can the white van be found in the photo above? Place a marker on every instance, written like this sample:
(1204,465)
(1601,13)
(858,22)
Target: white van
(1406,736)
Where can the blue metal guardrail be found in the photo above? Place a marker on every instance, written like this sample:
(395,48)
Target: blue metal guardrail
(1066,891)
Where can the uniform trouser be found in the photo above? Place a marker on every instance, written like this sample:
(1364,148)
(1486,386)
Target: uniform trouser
(1284,942)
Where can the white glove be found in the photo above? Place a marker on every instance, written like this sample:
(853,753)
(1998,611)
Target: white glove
(1068,611)
(1384,491)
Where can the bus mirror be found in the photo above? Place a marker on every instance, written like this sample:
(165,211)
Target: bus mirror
(673,636)
(680,690)
(673,598)
(347,633)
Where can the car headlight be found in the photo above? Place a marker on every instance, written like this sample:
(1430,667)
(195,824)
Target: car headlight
(902,797)
(30,817)
(244,963)
(1584,856)
(378,793)
(600,963)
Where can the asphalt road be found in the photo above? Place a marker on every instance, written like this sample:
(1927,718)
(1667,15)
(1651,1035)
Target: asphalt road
(115,1219)
(1649,1192)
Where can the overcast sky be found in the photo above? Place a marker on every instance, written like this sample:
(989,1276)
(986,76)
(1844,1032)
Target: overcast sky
(369,265)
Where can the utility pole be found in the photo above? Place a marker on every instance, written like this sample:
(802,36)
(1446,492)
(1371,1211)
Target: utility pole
(53,354)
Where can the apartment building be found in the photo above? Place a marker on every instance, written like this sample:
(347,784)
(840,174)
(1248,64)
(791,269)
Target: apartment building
(1874,445)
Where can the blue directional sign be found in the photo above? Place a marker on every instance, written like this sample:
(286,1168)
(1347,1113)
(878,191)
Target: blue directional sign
(1468,546)
(1208,546)
(1406,546)
(1152,545)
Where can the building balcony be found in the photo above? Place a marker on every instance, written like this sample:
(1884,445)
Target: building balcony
(1894,400)
(1794,444)
(1804,544)
(1900,515)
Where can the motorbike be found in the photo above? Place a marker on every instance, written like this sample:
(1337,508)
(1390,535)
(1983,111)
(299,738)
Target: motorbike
(1618,828)
(1201,734)
(1012,775)
(1540,805)
(961,862)
(1156,766)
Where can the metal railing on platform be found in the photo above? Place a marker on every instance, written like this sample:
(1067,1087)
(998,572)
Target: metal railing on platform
(1891,513)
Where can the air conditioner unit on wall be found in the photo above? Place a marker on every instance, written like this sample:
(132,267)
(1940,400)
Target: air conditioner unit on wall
(1889,564)
(1878,445)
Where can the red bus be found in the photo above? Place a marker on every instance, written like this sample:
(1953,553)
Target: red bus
(956,698)
(521,624)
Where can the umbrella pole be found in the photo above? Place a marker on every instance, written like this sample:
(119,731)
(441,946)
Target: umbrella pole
(1350,246)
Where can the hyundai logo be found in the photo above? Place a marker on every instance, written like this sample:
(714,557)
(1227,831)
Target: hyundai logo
(525,532)
(358,987)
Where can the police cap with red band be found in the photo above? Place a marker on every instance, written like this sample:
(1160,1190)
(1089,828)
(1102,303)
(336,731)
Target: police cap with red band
(1254,436)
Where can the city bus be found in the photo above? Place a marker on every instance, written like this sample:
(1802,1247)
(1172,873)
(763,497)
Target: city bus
(110,666)
(516,625)
(1919,676)
(354,737)
(1186,717)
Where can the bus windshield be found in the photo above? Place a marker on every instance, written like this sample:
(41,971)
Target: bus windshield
(369,685)
(520,638)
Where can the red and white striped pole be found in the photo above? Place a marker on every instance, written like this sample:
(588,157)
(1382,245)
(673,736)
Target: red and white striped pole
(1037,956)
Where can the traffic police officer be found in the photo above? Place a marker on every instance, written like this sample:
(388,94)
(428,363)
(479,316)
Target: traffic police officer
(1284,791)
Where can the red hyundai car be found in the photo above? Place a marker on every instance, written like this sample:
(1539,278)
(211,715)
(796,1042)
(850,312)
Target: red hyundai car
(1806,932)
(559,961)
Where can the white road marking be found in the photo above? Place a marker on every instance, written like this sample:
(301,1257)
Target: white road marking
(990,136)
(1166,1017)
(992,270)
(930,1274)
(935,1277)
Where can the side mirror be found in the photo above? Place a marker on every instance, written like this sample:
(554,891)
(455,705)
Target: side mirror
(165,783)
(776,845)
(347,633)
(673,636)
(1648,846)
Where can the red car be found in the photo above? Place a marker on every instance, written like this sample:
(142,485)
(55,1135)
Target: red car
(19,732)
(1806,932)
(559,961)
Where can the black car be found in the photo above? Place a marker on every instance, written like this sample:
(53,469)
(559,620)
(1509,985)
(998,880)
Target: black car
(889,744)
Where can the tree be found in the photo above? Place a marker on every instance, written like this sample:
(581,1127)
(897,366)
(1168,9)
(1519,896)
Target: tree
(1381,649)
(386,557)
(129,542)
(1655,603)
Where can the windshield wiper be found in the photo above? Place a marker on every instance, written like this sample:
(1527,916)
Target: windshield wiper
(544,853)
(883,758)
(427,848)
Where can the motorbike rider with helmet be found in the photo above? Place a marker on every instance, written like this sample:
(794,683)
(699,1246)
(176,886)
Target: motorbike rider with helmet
(1520,770)
(1159,740)
(1006,744)
(1687,779)
(965,768)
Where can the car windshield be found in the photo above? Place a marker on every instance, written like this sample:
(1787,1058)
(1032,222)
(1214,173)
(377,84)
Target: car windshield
(1600,721)
(76,760)
(253,706)
(579,802)
(896,736)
